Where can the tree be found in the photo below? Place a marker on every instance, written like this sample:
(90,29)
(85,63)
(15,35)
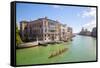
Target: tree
(18,39)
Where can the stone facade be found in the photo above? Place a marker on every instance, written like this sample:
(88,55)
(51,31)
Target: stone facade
(44,29)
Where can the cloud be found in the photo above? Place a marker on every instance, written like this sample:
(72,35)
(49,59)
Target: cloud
(91,12)
(90,25)
(56,6)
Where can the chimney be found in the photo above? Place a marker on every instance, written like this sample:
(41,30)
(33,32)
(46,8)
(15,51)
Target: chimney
(46,17)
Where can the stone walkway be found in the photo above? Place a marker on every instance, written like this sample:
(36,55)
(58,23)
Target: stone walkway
(29,44)
(36,43)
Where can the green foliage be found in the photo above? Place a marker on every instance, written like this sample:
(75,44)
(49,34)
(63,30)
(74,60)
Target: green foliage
(18,39)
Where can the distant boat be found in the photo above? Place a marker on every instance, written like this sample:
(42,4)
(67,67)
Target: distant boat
(71,39)
(74,35)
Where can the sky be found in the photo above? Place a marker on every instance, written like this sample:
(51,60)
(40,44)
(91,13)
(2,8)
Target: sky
(74,16)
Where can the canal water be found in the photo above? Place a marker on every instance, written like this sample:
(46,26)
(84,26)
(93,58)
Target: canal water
(81,48)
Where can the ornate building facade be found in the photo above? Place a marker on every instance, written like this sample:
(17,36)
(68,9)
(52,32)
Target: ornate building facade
(44,29)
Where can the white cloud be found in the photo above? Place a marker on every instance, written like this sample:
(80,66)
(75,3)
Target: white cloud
(56,6)
(90,25)
(91,12)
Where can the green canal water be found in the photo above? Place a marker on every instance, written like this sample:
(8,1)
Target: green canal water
(82,48)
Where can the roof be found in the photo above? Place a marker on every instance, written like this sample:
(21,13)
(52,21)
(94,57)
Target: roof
(40,19)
